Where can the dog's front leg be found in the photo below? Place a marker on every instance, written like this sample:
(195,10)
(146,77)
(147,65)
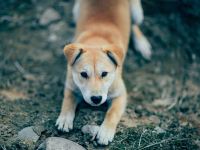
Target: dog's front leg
(66,117)
(113,115)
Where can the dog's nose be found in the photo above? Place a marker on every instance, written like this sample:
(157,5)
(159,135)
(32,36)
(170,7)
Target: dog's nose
(96,99)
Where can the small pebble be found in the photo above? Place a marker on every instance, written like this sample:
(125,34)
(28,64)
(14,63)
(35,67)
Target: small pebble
(57,143)
(28,135)
(91,130)
(159,130)
(49,16)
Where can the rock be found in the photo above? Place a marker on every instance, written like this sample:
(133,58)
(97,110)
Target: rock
(56,31)
(162,102)
(154,119)
(91,130)
(38,129)
(52,38)
(57,143)
(49,15)
(58,27)
(159,130)
(28,135)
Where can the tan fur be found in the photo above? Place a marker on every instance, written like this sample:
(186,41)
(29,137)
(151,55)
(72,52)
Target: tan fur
(68,103)
(106,19)
(103,25)
(137,31)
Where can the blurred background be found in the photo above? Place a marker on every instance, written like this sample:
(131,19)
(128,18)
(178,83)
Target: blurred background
(164,93)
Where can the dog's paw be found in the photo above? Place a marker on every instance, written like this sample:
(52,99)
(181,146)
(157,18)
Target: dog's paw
(143,46)
(105,135)
(65,122)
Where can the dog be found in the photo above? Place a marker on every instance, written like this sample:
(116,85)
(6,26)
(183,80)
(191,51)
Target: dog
(95,59)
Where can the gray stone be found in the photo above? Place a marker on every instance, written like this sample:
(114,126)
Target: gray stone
(38,129)
(52,38)
(91,130)
(57,143)
(49,16)
(154,119)
(28,135)
(58,27)
(159,130)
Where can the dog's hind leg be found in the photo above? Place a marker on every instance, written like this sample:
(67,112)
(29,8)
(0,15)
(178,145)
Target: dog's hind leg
(75,10)
(141,43)
(136,11)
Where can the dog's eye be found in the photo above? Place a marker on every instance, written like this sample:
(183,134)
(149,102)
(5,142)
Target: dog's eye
(104,74)
(84,75)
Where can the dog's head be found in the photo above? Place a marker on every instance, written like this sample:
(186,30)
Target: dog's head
(94,69)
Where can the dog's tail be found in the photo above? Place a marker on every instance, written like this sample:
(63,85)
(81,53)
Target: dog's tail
(141,43)
(136,11)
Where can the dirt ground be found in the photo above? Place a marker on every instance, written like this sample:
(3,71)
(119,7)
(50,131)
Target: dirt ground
(164,94)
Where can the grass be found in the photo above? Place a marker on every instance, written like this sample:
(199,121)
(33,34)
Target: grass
(145,138)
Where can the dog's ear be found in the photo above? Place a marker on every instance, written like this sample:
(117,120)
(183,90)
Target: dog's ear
(115,54)
(73,52)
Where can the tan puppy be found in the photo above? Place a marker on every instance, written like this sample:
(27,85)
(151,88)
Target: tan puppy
(95,62)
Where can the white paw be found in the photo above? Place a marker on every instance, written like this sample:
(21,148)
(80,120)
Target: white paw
(137,13)
(143,46)
(65,122)
(105,135)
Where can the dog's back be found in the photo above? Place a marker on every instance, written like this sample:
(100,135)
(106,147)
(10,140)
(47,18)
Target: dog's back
(108,18)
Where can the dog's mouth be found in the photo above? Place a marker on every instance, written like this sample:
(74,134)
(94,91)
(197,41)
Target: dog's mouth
(96,104)
(93,104)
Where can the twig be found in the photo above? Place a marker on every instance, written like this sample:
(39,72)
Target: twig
(163,141)
(181,99)
(19,67)
(3,147)
(141,136)
(5,58)
(177,100)
(122,140)
(173,104)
